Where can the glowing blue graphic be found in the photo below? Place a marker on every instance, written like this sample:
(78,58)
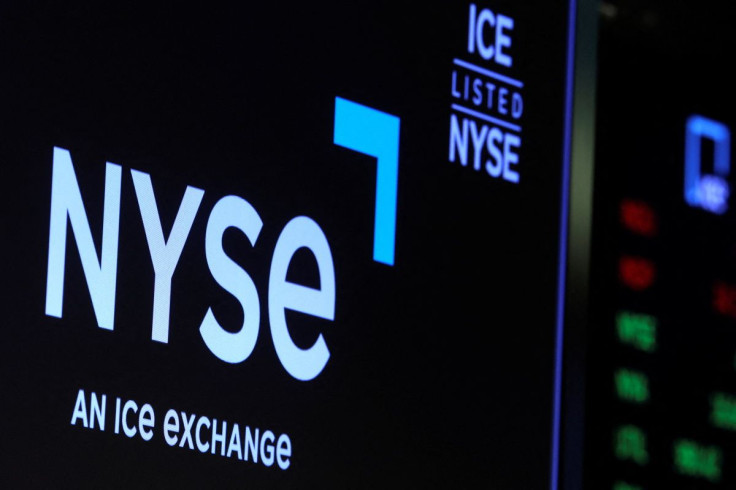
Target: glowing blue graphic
(374,133)
(709,191)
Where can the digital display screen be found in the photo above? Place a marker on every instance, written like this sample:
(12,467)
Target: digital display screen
(661,360)
(289,245)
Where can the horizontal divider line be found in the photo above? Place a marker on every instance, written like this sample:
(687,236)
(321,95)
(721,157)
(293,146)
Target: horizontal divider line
(486,117)
(489,73)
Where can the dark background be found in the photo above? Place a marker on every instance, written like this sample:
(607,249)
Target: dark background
(658,65)
(441,367)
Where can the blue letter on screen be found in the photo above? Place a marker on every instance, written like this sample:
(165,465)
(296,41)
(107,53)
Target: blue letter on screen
(708,191)
(374,133)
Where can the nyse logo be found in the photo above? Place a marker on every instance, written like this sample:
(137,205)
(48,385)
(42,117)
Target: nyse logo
(230,211)
(357,127)
(488,104)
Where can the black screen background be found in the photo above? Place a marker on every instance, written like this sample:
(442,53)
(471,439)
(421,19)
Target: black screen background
(658,65)
(441,367)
